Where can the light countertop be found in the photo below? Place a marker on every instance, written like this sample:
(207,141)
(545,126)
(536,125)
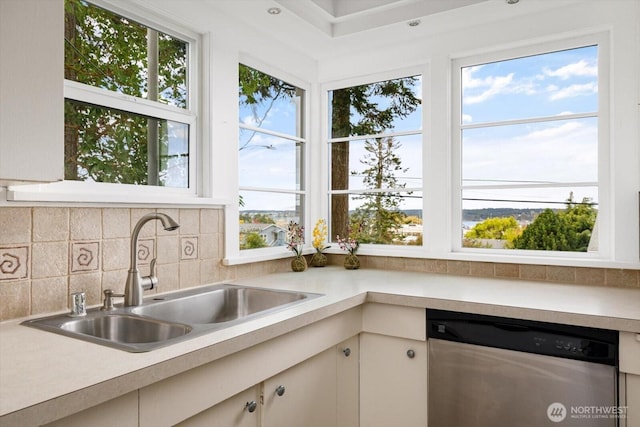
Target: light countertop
(41,372)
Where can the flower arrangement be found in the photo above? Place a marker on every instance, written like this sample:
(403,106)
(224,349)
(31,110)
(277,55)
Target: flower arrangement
(348,244)
(295,238)
(351,245)
(320,235)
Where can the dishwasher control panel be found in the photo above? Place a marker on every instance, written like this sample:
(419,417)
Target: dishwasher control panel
(571,342)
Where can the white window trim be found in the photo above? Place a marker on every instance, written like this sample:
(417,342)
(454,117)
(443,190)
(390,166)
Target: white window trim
(233,254)
(199,191)
(323,210)
(604,252)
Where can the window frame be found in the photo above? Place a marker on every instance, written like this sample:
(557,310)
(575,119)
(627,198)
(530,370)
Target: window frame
(605,228)
(233,254)
(324,207)
(199,191)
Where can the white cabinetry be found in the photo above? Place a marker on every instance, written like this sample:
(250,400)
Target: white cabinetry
(121,411)
(630,365)
(303,395)
(31,89)
(306,362)
(393,367)
(241,410)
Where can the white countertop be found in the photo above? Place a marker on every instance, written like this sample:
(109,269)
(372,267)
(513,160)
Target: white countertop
(42,371)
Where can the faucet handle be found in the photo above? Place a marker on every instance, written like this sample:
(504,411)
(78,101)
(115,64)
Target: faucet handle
(150,281)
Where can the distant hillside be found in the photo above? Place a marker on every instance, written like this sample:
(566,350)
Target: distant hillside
(482,214)
(522,215)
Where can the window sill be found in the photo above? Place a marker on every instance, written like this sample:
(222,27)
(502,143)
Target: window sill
(97,194)
(587,260)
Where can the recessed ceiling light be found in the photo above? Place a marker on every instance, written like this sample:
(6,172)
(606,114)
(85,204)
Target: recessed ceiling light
(274,11)
(414,23)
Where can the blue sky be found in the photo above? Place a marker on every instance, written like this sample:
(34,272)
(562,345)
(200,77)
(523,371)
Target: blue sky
(550,85)
(563,151)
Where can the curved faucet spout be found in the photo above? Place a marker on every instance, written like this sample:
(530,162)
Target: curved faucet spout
(136,284)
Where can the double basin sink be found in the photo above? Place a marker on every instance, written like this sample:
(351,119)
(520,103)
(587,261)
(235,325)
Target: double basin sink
(166,319)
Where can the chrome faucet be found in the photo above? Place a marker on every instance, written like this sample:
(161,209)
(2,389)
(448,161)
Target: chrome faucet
(136,284)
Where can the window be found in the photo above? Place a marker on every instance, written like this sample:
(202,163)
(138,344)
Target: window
(271,158)
(529,151)
(375,152)
(129,116)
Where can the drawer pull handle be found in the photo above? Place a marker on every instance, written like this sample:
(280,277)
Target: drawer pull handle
(280,390)
(411,354)
(251,406)
(347,352)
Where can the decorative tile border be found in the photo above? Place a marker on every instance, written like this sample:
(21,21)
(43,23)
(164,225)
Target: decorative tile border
(146,251)
(14,262)
(188,248)
(85,256)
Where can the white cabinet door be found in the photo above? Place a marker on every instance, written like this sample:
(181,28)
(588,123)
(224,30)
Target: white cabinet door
(31,89)
(348,382)
(633,400)
(241,410)
(393,381)
(630,364)
(304,395)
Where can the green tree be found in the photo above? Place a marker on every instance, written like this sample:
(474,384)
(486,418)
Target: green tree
(504,228)
(357,111)
(253,240)
(379,216)
(568,230)
(107,51)
(256,89)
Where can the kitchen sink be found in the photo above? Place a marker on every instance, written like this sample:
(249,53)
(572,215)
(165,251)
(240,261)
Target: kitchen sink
(166,319)
(125,329)
(114,329)
(219,305)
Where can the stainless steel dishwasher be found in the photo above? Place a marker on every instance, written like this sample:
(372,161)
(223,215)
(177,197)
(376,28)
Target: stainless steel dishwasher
(499,372)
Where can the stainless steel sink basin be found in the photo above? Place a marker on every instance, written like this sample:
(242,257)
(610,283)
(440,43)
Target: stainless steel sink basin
(219,305)
(118,330)
(126,329)
(170,318)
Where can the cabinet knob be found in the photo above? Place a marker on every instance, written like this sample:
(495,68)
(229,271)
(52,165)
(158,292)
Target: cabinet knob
(411,354)
(280,390)
(347,352)
(251,406)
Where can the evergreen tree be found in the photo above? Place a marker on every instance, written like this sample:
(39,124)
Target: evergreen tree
(379,217)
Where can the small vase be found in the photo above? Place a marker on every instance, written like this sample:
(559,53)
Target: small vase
(319,259)
(299,263)
(351,262)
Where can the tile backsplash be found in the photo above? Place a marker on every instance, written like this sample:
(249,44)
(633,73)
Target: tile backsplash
(46,253)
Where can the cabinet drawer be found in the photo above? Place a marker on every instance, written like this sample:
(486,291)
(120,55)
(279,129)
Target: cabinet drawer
(395,321)
(630,352)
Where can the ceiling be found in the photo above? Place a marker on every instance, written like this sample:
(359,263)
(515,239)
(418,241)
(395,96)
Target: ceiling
(342,17)
(322,29)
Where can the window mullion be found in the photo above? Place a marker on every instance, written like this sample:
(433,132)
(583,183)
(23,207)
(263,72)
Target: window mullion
(542,119)
(96,96)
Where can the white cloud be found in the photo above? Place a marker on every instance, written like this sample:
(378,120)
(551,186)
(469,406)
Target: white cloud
(581,68)
(467,118)
(574,90)
(565,152)
(492,85)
